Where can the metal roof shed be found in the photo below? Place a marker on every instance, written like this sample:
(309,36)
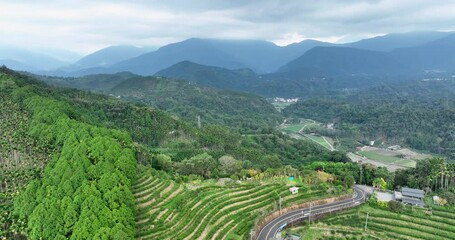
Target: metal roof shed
(412,192)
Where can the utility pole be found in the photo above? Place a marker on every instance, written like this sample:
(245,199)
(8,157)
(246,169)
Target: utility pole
(366,222)
(309,216)
(361,174)
(280,203)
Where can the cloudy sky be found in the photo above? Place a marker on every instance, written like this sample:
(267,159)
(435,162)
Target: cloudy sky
(83,26)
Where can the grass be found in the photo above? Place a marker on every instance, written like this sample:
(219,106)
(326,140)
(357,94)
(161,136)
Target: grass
(280,105)
(378,157)
(169,210)
(387,159)
(295,127)
(412,223)
(320,140)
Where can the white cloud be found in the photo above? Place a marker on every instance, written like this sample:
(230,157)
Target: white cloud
(85,25)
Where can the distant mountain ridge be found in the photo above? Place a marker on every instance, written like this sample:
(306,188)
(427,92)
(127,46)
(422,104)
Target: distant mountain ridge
(393,41)
(108,56)
(209,76)
(334,61)
(26,60)
(264,68)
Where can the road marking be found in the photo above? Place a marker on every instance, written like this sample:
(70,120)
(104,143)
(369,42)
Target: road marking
(318,208)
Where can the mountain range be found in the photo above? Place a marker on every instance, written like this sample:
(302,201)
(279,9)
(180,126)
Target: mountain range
(184,99)
(256,66)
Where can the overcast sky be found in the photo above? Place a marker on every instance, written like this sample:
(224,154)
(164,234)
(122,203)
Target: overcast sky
(84,26)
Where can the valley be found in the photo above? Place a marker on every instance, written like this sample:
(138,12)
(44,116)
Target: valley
(167,120)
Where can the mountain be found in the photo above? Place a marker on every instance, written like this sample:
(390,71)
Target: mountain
(96,82)
(260,56)
(438,55)
(180,97)
(196,50)
(21,59)
(393,41)
(16,65)
(188,101)
(333,61)
(245,80)
(108,56)
(216,77)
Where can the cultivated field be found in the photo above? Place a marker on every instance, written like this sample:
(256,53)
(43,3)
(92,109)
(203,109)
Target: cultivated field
(392,159)
(413,223)
(170,210)
(296,130)
(295,127)
(323,141)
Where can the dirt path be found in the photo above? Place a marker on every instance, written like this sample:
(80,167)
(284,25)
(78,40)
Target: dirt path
(328,143)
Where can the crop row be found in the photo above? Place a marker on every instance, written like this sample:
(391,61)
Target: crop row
(404,225)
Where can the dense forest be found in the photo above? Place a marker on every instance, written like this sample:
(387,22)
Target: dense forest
(241,111)
(84,190)
(420,115)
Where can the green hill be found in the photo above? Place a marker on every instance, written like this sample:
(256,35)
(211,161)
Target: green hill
(66,167)
(237,110)
(69,158)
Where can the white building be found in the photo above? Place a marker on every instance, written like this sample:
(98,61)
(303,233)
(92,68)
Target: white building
(294,190)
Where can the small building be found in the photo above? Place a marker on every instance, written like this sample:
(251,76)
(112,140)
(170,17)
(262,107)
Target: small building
(436,200)
(412,196)
(294,190)
(371,143)
(397,196)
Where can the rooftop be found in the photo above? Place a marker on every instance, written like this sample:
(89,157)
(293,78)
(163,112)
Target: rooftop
(413,201)
(412,192)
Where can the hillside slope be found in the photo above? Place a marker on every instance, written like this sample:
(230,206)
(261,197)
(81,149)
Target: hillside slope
(87,184)
(215,77)
(187,100)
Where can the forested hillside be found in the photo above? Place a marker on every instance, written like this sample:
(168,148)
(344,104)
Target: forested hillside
(88,145)
(420,115)
(85,189)
(240,111)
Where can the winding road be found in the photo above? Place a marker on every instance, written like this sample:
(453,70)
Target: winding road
(275,226)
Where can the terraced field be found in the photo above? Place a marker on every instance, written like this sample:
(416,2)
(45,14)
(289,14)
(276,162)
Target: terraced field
(383,224)
(169,210)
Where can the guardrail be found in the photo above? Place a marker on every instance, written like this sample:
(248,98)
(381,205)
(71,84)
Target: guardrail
(313,214)
(317,212)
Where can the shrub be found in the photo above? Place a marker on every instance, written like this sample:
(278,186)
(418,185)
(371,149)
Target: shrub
(449,196)
(395,206)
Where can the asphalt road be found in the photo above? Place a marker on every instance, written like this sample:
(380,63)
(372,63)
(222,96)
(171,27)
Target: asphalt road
(272,228)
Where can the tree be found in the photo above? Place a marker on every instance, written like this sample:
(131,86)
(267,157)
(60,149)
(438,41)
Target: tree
(202,164)
(348,180)
(380,183)
(163,162)
(229,165)
(395,206)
